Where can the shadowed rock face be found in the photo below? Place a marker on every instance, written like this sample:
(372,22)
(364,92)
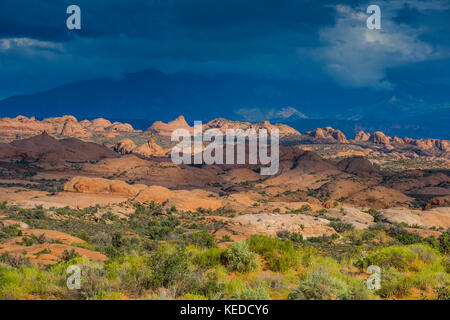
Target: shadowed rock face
(48,149)
(359,166)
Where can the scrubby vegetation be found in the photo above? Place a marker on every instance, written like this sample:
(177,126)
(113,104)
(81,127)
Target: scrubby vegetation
(166,254)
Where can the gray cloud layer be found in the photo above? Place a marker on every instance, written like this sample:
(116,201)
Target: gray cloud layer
(285,38)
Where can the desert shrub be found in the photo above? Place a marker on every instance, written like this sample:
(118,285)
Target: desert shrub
(15,261)
(204,283)
(3,205)
(409,238)
(37,213)
(357,237)
(102,239)
(249,293)
(117,240)
(426,253)
(377,217)
(443,293)
(340,226)
(94,282)
(444,243)
(279,254)
(158,230)
(169,265)
(399,257)
(303,208)
(9,232)
(200,238)
(109,216)
(394,284)
(68,255)
(206,258)
(321,286)
(239,257)
(24,282)
(132,271)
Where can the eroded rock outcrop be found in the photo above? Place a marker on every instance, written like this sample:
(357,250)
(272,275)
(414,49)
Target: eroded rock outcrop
(328,133)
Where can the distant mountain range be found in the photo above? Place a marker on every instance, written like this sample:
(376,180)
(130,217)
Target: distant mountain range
(410,109)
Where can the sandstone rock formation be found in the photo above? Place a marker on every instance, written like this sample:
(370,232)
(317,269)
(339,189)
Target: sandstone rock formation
(359,166)
(45,148)
(67,126)
(362,136)
(151,148)
(126,146)
(328,133)
(99,185)
(270,224)
(166,129)
(379,137)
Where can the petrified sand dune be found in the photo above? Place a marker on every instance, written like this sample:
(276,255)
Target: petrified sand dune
(166,129)
(151,148)
(99,185)
(379,197)
(311,162)
(154,193)
(269,224)
(358,218)
(359,166)
(125,146)
(182,199)
(422,218)
(439,202)
(48,149)
(328,133)
(67,126)
(338,189)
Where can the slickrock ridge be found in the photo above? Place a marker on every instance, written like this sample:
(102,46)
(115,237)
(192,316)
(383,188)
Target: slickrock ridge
(224,124)
(166,129)
(99,185)
(126,146)
(359,166)
(362,136)
(149,149)
(328,133)
(379,137)
(67,126)
(48,149)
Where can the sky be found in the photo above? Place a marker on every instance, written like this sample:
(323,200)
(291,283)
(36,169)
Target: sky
(323,41)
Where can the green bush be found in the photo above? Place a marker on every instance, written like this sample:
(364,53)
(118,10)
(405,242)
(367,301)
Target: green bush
(200,238)
(340,226)
(279,254)
(321,286)
(444,243)
(402,258)
(133,272)
(249,293)
(394,284)
(169,265)
(239,257)
(207,258)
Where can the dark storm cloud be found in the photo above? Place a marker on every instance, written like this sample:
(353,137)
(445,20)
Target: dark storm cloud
(285,38)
